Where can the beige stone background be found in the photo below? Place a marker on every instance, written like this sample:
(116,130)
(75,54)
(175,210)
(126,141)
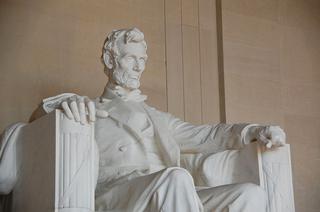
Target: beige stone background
(272,75)
(237,61)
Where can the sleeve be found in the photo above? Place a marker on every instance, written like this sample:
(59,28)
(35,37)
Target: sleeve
(8,158)
(51,103)
(208,138)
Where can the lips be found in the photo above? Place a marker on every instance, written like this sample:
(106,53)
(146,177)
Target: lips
(134,77)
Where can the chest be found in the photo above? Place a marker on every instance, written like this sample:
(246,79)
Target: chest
(126,128)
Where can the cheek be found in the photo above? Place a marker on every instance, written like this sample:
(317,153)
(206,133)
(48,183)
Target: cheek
(123,64)
(143,65)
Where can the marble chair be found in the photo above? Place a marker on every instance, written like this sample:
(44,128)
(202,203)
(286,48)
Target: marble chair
(57,168)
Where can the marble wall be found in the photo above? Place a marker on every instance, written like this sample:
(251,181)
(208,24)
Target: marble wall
(272,74)
(192,60)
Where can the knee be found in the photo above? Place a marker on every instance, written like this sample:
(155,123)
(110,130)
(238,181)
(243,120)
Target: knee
(253,192)
(179,175)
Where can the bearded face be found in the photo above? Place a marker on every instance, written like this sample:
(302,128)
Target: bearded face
(129,65)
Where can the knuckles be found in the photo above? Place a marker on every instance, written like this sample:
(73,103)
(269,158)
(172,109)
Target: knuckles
(77,107)
(273,134)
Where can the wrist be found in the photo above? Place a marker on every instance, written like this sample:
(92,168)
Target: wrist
(252,132)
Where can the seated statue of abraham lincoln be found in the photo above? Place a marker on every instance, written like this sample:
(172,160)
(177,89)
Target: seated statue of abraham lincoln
(139,147)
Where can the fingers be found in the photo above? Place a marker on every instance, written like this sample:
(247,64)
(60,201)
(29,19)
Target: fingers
(267,142)
(86,107)
(75,111)
(91,111)
(67,110)
(78,107)
(272,136)
(278,136)
(91,108)
(278,142)
(82,110)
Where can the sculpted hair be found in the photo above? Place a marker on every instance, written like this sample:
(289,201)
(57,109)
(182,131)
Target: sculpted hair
(111,46)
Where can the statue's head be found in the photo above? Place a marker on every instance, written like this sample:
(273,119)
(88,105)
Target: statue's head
(124,55)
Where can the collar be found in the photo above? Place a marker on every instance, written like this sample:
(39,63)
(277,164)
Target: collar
(112,92)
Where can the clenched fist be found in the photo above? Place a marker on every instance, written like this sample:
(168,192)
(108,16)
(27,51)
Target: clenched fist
(270,136)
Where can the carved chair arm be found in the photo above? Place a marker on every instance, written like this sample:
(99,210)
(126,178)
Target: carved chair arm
(271,169)
(57,166)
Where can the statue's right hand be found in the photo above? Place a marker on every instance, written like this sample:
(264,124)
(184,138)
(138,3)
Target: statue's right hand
(79,108)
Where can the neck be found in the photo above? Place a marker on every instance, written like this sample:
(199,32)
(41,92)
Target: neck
(111,84)
(113,90)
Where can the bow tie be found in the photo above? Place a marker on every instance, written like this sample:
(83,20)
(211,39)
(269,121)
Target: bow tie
(125,95)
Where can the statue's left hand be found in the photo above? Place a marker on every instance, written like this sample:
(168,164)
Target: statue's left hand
(270,136)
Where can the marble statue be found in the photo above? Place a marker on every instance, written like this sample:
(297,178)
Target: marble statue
(139,148)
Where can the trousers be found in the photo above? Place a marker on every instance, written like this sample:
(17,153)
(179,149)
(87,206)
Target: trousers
(172,190)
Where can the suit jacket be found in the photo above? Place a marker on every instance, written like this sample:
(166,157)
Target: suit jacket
(120,141)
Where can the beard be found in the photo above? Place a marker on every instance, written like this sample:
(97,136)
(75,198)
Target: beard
(123,79)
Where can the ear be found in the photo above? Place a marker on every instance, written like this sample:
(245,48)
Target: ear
(108,59)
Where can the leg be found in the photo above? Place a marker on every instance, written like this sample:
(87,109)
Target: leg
(171,189)
(246,197)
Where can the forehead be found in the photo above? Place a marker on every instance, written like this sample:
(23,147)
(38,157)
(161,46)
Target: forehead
(132,49)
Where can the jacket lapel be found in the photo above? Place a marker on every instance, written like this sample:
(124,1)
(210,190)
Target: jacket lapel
(120,113)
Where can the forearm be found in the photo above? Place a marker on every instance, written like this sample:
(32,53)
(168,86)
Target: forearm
(231,136)
(8,157)
(212,138)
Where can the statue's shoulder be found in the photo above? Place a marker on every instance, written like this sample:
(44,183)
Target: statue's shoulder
(154,111)
(148,107)
(151,109)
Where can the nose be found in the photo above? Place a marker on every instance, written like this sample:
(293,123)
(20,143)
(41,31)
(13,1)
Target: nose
(138,67)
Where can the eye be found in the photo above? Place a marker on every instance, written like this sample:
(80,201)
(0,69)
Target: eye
(130,59)
(143,59)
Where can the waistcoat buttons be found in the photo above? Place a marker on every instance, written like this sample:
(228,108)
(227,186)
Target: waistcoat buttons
(122,148)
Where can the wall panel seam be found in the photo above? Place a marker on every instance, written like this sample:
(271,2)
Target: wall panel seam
(200,66)
(182,53)
(223,116)
(165,52)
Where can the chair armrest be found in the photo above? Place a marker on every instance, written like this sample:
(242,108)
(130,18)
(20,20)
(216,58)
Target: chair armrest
(276,177)
(57,166)
(271,169)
